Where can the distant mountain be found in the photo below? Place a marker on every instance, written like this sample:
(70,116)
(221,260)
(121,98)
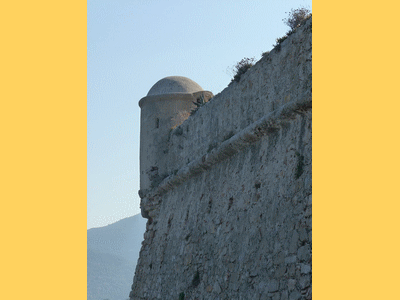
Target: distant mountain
(112,253)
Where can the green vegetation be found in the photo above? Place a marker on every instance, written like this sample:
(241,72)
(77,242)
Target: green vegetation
(241,67)
(265,53)
(278,42)
(199,103)
(296,17)
(182,296)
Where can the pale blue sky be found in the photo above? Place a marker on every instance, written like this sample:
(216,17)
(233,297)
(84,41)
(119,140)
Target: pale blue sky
(133,44)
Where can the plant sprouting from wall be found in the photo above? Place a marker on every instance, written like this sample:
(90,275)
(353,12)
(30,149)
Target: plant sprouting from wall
(296,17)
(241,67)
(278,42)
(199,103)
(266,53)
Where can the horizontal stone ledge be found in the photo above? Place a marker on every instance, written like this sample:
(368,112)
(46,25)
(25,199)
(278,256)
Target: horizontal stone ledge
(230,147)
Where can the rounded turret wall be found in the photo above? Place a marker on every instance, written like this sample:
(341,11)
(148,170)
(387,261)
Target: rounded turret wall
(173,85)
(167,105)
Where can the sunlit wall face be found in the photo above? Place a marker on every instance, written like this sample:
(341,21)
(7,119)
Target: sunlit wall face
(131,45)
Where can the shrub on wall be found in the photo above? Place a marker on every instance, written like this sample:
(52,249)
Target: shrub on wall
(199,103)
(241,67)
(296,16)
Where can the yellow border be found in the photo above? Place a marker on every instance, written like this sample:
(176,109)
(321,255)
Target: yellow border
(43,138)
(356,150)
(355,161)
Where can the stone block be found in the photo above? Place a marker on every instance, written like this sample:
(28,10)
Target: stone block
(304,253)
(304,281)
(291,259)
(291,284)
(305,269)
(295,295)
(303,234)
(273,286)
(293,242)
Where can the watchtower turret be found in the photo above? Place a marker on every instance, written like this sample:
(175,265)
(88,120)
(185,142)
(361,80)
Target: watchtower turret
(167,104)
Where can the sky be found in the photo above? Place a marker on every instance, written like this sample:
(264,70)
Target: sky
(131,44)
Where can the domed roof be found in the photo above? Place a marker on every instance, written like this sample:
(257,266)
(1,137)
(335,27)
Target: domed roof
(174,85)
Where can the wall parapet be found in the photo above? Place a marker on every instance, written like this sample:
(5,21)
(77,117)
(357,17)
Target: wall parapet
(281,77)
(230,215)
(252,133)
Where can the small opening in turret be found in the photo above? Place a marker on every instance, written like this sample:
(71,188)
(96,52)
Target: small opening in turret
(157,123)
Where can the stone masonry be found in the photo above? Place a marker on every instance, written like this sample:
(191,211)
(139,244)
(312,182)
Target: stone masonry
(230,217)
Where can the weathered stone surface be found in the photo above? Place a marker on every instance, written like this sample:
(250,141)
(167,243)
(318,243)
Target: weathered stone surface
(295,295)
(303,234)
(276,296)
(304,253)
(273,286)
(232,219)
(284,295)
(216,288)
(291,284)
(168,103)
(291,259)
(294,242)
(304,282)
(305,269)
(174,85)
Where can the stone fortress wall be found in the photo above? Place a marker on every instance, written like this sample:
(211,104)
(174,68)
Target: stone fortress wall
(227,192)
